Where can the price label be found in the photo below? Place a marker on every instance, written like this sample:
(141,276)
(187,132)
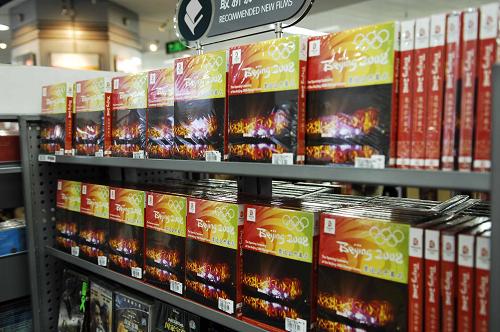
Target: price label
(213,156)
(99,153)
(46,158)
(136,272)
(176,286)
(282,158)
(226,305)
(295,325)
(102,261)
(138,154)
(75,251)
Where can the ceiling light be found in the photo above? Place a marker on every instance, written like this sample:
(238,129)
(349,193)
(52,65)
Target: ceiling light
(153,47)
(3,46)
(4,27)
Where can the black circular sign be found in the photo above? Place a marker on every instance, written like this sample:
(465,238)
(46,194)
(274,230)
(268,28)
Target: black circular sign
(193,18)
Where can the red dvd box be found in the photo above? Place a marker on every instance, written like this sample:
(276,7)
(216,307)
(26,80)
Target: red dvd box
(420,87)
(470,20)
(436,91)
(465,277)
(451,90)
(67,216)
(488,31)
(405,93)
(393,144)
(482,276)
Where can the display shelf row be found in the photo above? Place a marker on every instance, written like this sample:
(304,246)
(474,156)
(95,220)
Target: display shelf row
(10,168)
(155,292)
(453,180)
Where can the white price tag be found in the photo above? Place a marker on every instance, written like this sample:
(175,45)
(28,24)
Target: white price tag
(213,156)
(102,260)
(59,153)
(226,305)
(282,158)
(295,325)
(136,272)
(376,161)
(138,154)
(47,158)
(75,251)
(176,286)
(99,153)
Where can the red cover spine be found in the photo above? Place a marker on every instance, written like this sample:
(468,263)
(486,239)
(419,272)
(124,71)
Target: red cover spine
(415,280)
(452,71)
(432,277)
(448,282)
(470,20)
(465,283)
(68,139)
(405,94)
(301,125)
(420,88)
(108,109)
(482,276)
(435,93)
(488,31)
(395,96)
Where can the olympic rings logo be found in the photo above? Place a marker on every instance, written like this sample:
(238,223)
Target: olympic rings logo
(386,236)
(281,51)
(175,206)
(136,199)
(295,223)
(225,214)
(374,39)
(212,63)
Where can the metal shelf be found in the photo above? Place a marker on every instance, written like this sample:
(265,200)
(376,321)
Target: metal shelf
(472,181)
(157,293)
(10,168)
(14,276)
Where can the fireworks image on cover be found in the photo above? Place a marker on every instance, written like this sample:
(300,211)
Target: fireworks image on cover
(66,229)
(52,133)
(89,133)
(131,314)
(129,132)
(160,136)
(164,258)
(210,272)
(266,124)
(199,127)
(346,123)
(359,301)
(125,247)
(275,288)
(93,237)
(74,302)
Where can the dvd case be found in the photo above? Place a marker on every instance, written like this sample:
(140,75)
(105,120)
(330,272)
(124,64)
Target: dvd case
(213,260)
(127,121)
(200,106)
(126,231)
(165,241)
(279,270)
(73,315)
(67,216)
(57,119)
(482,280)
(101,307)
(350,88)
(173,319)
(160,114)
(90,95)
(93,232)
(266,101)
(132,313)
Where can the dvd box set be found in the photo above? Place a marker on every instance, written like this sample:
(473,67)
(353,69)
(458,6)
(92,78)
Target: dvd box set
(172,319)
(350,89)
(67,215)
(279,270)
(101,307)
(266,101)
(93,231)
(165,241)
(126,119)
(160,114)
(73,316)
(56,126)
(126,231)
(200,106)
(132,313)
(213,259)
(90,98)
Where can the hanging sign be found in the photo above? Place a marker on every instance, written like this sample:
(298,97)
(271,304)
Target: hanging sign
(209,21)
